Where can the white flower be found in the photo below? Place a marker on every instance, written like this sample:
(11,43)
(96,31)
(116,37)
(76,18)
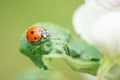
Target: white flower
(105,32)
(98,22)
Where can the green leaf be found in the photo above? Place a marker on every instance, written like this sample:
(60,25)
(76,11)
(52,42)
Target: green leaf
(78,55)
(109,68)
(35,74)
(112,73)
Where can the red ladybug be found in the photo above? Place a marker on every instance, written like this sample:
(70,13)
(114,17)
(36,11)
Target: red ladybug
(36,33)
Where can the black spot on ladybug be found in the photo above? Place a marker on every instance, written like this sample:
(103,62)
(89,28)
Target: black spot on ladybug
(35,38)
(32,32)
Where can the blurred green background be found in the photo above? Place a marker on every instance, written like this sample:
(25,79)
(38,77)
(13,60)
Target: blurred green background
(16,16)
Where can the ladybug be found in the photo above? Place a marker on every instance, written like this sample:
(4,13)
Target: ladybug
(37,33)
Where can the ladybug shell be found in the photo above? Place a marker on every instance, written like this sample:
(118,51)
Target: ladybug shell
(33,34)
